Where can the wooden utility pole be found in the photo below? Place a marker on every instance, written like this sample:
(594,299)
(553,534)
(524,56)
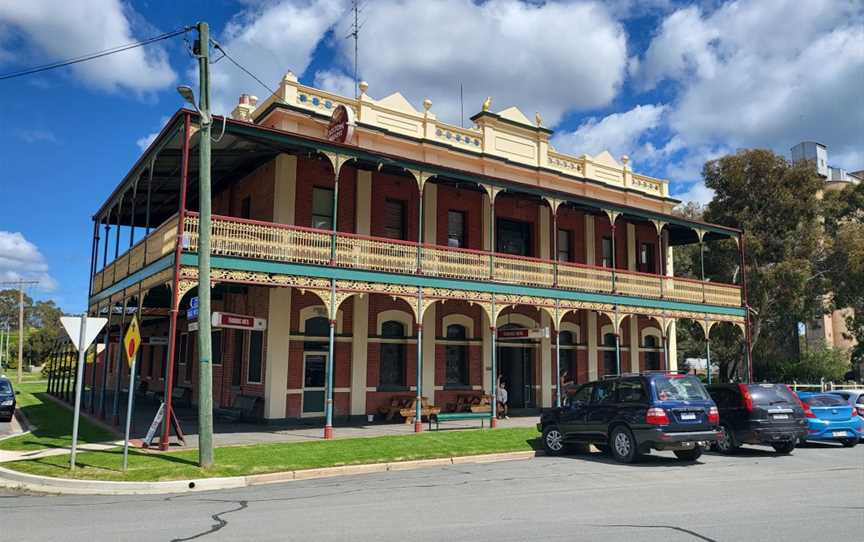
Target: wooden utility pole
(20,284)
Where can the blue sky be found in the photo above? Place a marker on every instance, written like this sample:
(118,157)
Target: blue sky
(668,83)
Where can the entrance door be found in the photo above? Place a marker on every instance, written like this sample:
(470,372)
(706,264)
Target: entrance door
(314,383)
(517,370)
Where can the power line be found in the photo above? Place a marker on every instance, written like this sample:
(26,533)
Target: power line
(222,50)
(93,56)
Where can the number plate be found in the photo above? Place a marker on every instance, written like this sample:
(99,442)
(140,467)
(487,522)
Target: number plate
(781,416)
(688,416)
(839,433)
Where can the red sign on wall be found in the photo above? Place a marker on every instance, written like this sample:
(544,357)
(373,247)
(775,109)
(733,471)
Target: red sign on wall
(238,321)
(341,127)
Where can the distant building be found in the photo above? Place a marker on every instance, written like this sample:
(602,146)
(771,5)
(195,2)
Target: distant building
(830,329)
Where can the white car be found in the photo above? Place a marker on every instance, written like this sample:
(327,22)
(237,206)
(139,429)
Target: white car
(853,397)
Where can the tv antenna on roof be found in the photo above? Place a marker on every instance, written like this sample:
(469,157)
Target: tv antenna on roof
(357,7)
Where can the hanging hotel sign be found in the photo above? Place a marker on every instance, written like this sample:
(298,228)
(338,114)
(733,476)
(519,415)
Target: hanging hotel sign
(238,321)
(341,127)
(523,333)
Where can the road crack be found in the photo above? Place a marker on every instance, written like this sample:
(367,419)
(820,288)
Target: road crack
(670,527)
(220,524)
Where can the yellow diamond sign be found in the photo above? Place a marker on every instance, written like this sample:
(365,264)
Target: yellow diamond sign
(132,340)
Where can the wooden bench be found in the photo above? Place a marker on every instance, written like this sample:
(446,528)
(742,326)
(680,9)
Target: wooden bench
(426,409)
(243,408)
(456,416)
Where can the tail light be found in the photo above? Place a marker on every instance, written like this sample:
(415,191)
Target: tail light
(656,416)
(748,399)
(860,410)
(804,406)
(714,416)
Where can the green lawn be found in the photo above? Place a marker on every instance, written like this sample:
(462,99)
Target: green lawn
(266,458)
(53,422)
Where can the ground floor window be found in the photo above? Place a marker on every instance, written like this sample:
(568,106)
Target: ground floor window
(610,360)
(239,354)
(392,366)
(256,357)
(457,357)
(652,356)
(567,358)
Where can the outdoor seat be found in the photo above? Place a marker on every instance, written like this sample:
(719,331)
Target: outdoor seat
(457,416)
(244,408)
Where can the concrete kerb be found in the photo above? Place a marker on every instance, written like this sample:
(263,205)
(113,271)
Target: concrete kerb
(43,484)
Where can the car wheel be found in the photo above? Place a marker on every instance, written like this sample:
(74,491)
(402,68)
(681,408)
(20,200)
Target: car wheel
(726,443)
(553,440)
(622,445)
(689,455)
(784,447)
(849,442)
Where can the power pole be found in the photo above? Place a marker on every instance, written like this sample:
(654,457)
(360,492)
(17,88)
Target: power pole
(205,369)
(20,284)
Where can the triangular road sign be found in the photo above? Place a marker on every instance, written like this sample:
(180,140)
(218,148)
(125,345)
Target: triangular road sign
(72,325)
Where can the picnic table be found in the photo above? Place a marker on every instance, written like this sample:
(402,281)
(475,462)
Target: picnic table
(483,405)
(397,404)
(426,409)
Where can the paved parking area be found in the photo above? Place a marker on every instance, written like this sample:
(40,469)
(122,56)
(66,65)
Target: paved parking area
(814,494)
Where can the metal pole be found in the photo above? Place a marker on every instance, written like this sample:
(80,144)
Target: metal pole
(20,331)
(331,352)
(747,334)
(105,353)
(555,249)
(558,364)
(418,406)
(82,353)
(617,353)
(702,266)
(175,284)
(708,353)
(494,421)
(660,258)
(118,382)
(614,286)
(130,405)
(665,363)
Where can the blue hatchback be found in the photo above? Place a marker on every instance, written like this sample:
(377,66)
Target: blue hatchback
(830,418)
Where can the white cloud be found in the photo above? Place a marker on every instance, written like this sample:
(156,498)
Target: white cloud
(618,133)
(21,259)
(59,29)
(37,135)
(145,141)
(764,74)
(697,192)
(553,57)
(268,39)
(335,82)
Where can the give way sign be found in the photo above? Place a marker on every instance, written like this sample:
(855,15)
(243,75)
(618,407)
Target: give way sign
(72,325)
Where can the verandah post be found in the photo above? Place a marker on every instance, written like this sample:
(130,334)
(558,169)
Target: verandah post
(418,407)
(331,352)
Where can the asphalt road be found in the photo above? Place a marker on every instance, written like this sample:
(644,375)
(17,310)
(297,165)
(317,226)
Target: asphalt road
(815,494)
(5,428)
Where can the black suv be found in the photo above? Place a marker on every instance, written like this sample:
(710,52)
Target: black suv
(630,415)
(7,400)
(758,414)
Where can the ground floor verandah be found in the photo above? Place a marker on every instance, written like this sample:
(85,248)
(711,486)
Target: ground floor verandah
(388,341)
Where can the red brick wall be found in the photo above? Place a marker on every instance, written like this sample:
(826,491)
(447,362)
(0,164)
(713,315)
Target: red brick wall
(573,221)
(258,186)
(393,187)
(646,233)
(469,202)
(518,208)
(602,229)
(312,172)
(376,399)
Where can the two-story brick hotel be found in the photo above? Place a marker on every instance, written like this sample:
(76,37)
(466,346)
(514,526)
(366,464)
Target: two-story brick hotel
(438,256)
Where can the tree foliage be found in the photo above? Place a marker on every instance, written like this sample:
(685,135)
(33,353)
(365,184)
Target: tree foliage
(813,365)
(42,327)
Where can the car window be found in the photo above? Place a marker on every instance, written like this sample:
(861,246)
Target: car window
(5,387)
(770,394)
(823,400)
(679,388)
(582,394)
(631,391)
(604,393)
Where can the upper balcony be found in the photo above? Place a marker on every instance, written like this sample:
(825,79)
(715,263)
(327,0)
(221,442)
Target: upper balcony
(265,241)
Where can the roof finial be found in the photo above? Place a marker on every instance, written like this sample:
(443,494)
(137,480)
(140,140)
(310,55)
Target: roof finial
(487,103)
(538,119)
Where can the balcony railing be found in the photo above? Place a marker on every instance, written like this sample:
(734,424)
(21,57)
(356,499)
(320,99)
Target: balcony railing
(292,244)
(160,242)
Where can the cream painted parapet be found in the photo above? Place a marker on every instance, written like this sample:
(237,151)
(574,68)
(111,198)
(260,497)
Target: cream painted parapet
(507,134)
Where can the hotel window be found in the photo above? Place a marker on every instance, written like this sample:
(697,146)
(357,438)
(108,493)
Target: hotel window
(392,368)
(456,229)
(457,357)
(216,346)
(610,365)
(256,357)
(568,357)
(237,360)
(607,252)
(246,207)
(322,208)
(564,254)
(652,356)
(646,258)
(394,219)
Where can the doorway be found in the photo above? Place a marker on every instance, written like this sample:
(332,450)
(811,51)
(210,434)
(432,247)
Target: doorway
(314,383)
(516,367)
(513,237)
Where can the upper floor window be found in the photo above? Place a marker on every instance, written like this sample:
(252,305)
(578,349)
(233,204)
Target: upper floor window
(647,258)
(607,252)
(394,219)
(564,254)
(246,207)
(456,229)
(322,208)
